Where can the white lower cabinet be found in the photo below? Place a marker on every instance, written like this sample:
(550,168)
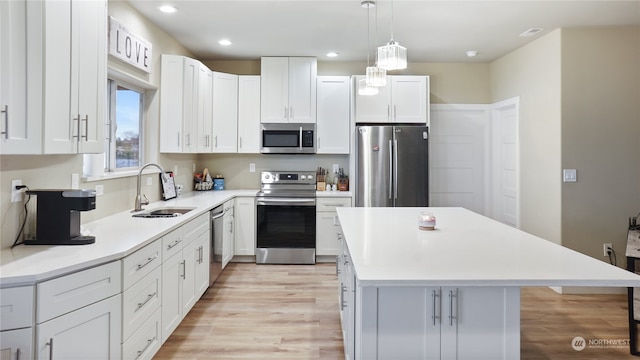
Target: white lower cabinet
(146,341)
(16,344)
(328,224)
(244,215)
(427,322)
(92,332)
(185,274)
(228,233)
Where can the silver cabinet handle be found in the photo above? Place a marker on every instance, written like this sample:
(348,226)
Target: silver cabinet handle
(240,142)
(390,169)
(337,263)
(395,112)
(342,290)
(6,121)
(18,354)
(50,344)
(178,138)
(188,139)
(300,138)
(434,295)
(149,260)
(149,342)
(77,127)
(319,146)
(86,128)
(215,139)
(184,269)
(395,169)
(291,112)
(452,294)
(336,205)
(173,244)
(142,304)
(389,112)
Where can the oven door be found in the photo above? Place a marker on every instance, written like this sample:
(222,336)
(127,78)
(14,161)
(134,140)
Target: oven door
(286,230)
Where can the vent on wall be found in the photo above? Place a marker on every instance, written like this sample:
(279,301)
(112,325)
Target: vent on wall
(531,32)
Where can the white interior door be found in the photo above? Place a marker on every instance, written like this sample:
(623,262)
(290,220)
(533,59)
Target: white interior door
(458,144)
(505,190)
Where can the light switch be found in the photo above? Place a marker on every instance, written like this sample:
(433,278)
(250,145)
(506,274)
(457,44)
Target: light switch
(569,175)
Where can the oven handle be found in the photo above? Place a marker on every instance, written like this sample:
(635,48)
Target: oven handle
(284,202)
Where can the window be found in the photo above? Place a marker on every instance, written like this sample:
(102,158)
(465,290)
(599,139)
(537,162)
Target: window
(124,127)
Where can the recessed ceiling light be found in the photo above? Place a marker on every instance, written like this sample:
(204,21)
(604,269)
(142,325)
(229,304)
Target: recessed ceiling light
(472,53)
(332,54)
(531,32)
(368,4)
(224,42)
(167,9)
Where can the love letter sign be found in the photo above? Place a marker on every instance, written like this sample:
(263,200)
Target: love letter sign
(129,47)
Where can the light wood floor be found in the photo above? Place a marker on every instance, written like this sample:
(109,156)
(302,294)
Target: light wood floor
(290,312)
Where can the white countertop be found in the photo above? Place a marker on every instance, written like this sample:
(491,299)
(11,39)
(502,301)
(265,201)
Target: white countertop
(465,249)
(117,236)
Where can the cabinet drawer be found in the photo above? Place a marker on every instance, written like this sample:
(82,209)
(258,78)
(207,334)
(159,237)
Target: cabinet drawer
(140,301)
(195,227)
(140,263)
(64,294)
(172,244)
(330,204)
(16,307)
(145,342)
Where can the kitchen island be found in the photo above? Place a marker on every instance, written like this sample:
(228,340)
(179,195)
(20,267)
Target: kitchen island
(452,292)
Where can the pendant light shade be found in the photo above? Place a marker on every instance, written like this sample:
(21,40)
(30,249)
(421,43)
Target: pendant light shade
(392,56)
(365,89)
(376,76)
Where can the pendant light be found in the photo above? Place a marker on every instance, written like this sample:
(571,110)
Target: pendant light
(392,56)
(364,88)
(376,76)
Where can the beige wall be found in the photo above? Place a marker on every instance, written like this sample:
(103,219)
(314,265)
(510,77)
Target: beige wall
(600,137)
(533,73)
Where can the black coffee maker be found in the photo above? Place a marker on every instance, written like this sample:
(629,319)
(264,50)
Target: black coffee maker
(58,216)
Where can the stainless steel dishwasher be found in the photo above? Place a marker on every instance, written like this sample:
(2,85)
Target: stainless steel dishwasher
(217,215)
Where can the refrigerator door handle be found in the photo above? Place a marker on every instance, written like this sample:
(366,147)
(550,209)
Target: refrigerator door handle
(395,169)
(390,169)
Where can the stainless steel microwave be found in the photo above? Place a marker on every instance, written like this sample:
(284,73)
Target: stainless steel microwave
(288,139)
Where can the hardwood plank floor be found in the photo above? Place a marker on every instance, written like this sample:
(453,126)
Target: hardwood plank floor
(290,312)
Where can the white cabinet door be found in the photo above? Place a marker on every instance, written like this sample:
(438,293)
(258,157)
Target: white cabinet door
(409,96)
(245,224)
(470,311)
(201,273)
(373,108)
(171,75)
(225,113)
(172,270)
(204,112)
(228,234)
(190,90)
(327,226)
(288,90)
(190,257)
(92,332)
(249,114)
(20,133)
(302,89)
(16,344)
(274,90)
(73,52)
(333,120)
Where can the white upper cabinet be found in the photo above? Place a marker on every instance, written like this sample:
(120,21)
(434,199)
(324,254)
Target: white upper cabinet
(249,114)
(67,41)
(190,81)
(20,132)
(171,103)
(333,120)
(225,113)
(405,99)
(288,90)
(204,117)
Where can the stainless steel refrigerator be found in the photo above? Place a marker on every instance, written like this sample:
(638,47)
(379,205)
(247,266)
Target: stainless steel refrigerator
(392,165)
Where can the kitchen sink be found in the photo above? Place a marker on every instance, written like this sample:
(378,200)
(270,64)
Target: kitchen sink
(163,212)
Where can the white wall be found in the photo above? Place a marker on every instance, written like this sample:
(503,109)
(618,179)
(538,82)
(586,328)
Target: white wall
(533,73)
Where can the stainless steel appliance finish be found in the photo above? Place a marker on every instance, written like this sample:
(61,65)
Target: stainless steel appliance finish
(392,165)
(288,139)
(286,218)
(216,243)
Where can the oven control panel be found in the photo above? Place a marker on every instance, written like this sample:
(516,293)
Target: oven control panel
(287,177)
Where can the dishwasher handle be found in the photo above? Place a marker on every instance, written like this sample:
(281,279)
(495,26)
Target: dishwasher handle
(217,215)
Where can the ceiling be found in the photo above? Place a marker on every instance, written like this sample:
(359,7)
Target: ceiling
(432,31)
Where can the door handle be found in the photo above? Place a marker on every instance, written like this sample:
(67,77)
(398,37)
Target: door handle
(77,127)
(452,294)
(86,128)
(149,260)
(434,297)
(140,305)
(6,121)
(184,269)
(390,169)
(395,170)
(50,344)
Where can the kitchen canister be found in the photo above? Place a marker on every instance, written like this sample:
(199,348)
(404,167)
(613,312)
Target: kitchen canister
(218,183)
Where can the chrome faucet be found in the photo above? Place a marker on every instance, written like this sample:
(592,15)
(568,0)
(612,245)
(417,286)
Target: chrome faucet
(139,197)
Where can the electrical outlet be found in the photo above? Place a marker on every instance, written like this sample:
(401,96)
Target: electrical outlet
(149,181)
(75,181)
(606,248)
(336,168)
(175,170)
(16,195)
(99,190)
(252,167)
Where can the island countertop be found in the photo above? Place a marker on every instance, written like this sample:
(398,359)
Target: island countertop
(465,249)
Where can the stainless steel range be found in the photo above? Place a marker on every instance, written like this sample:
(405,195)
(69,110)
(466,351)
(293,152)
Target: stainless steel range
(286,216)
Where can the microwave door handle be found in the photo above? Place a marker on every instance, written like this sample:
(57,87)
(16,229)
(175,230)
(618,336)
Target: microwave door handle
(300,138)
